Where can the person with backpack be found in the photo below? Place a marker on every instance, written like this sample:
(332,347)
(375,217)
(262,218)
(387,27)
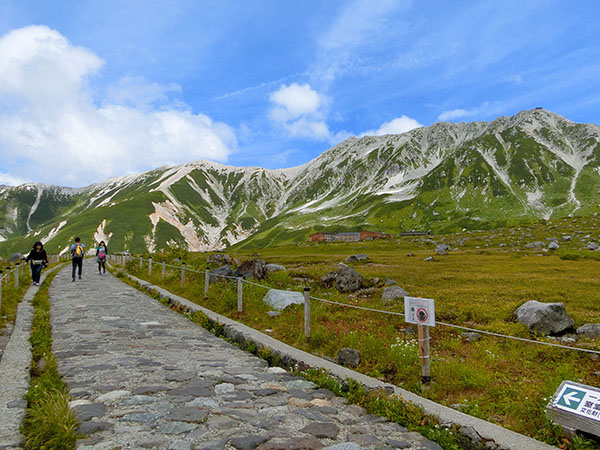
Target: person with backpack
(77,254)
(37,259)
(101,257)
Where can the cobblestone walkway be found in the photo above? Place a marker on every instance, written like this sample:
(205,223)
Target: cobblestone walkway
(142,376)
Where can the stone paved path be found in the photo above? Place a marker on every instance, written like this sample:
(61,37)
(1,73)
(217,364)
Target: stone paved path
(143,376)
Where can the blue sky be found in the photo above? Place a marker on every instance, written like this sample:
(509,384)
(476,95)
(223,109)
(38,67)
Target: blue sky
(117,87)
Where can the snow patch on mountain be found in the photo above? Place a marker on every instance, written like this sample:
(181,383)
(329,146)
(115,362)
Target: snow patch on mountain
(100,235)
(34,206)
(53,232)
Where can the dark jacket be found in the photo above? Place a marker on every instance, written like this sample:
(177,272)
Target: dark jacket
(34,255)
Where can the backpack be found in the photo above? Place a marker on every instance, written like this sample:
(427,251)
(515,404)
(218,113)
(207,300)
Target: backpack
(102,253)
(78,251)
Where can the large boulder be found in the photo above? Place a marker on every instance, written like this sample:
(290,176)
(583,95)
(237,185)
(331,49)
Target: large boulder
(591,330)
(553,245)
(544,318)
(275,268)
(345,279)
(254,268)
(392,293)
(220,274)
(593,246)
(219,259)
(280,300)
(15,257)
(537,244)
(361,257)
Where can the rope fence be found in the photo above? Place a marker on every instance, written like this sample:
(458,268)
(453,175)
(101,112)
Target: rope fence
(242,280)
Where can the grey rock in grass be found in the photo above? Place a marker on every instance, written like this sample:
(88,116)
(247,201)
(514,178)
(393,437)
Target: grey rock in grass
(590,330)
(361,257)
(429,259)
(544,318)
(280,300)
(275,268)
(345,279)
(566,237)
(536,244)
(392,293)
(254,268)
(593,246)
(219,259)
(471,336)
(390,282)
(442,249)
(220,274)
(348,357)
(553,245)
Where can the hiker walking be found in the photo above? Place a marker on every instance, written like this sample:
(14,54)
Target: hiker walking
(77,254)
(37,259)
(101,257)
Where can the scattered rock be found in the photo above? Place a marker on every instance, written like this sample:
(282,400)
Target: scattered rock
(544,318)
(471,336)
(566,237)
(348,357)
(254,268)
(346,279)
(410,254)
(280,300)
(219,274)
(219,259)
(442,249)
(472,434)
(392,293)
(590,330)
(429,258)
(361,257)
(553,245)
(273,313)
(537,244)
(275,268)
(390,282)
(593,246)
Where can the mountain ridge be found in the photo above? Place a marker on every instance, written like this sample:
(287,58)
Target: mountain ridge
(447,176)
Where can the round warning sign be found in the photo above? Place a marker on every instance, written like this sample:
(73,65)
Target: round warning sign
(422,315)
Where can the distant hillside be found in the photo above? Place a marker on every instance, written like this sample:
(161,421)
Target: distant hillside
(445,177)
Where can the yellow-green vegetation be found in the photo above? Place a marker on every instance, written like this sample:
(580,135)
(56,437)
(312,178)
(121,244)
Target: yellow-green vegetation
(49,423)
(11,296)
(480,285)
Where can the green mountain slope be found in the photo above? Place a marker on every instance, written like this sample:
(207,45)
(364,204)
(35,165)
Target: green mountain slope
(446,177)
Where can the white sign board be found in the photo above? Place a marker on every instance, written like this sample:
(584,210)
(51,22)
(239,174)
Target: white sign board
(576,399)
(419,310)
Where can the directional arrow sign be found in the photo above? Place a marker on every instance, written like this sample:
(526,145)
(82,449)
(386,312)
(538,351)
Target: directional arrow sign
(571,398)
(578,399)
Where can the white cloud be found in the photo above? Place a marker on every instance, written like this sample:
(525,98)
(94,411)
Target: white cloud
(52,131)
(398,125)
(300,110)
(8,180)
(485,108)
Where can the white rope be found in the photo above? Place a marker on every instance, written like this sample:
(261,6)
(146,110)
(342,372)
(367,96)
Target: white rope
(393,313)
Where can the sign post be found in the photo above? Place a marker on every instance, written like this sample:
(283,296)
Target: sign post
(576,407)
(421,311)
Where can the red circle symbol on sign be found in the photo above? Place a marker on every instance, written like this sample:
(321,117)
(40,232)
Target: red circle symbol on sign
(422,315)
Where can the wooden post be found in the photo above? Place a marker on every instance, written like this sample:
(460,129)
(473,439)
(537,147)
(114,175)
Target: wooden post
(0,288)
(307,312)
(141,262)
(239,292)
(17,275)
(206,283)
(163,270)
(149,266)
(424,357)
(182,274)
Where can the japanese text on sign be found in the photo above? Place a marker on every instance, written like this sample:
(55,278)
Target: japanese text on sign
(580,401)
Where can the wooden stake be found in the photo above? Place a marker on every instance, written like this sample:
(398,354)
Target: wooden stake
(424,357)
(206,283)
(239,292)
(162,274)
(307,312)
(182,274)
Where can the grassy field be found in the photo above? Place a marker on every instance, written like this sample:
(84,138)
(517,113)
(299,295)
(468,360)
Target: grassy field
(11,295)
(479,285)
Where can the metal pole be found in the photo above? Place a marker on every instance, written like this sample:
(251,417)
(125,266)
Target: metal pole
(17,275)
(163,269)
(206,283)
(141,262)
(149,266)
(306,312)
(182,274)
(239,290)
(424,357)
